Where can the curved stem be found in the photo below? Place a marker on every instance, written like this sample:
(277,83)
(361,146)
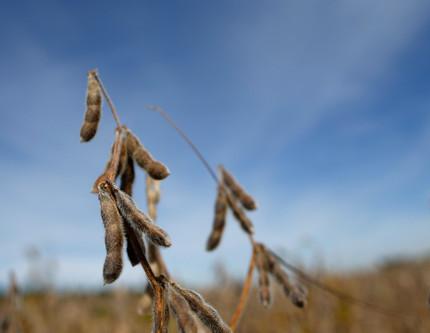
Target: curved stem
(244,294)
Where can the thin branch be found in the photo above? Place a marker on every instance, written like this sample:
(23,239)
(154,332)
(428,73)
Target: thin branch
(164,114)
(244,294)
(108,100)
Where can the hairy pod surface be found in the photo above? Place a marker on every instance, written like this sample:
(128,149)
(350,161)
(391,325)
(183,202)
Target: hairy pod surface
(94,107)
(138,220)
(219,220)
(205,312)
(184,317)
(245,199)
(240,215)
(144,159)
(296,295)
(113,234)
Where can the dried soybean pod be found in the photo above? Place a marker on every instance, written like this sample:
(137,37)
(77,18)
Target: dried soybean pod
(127,177)
(94,108)
(184,317)
(263,275)
(296,296)
(138,220)
(219,219)
(239,214)
(245,199)
(206,313)
(144,159)
(152,196)
(113,234)
(160,310)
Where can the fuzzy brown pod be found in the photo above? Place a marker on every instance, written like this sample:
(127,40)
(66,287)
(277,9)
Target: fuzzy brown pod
(239,214)
(135,243)
(205,312)
(185,319)
(245,199)
(152,196)
(144,159)
(296,295)
(219,220)
(263,275)
(114,235)
(138,220)
(94,107)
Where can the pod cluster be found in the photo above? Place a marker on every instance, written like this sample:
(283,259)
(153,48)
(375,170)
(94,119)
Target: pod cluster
(118,209)
(268,266)
(230,195)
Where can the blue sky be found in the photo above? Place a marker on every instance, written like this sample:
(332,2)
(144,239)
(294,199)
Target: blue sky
(321,109)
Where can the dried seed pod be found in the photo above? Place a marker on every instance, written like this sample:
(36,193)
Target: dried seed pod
(184,317)
(113,234)
(160,310)
(152,196)
(135,243)
(127,177)
(219,220)
(206,313)
(144,159)
(239,214)
(94,108)
(296,295)
(263,275)
(246,200)
(138,220)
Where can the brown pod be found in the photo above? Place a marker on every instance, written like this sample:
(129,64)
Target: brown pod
(138,220)
(144,159)
(113,234)
(135,243)
(296,295)
(184,317)
(152,196)
(239,214)
(94,108)
(245,199)
(127,177)
(206,313)
(263,275)
(158,170)
(219,220)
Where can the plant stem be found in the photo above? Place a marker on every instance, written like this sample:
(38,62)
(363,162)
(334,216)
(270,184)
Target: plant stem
(108,100)
(244,294)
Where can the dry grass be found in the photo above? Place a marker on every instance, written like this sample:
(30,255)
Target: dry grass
(403,288)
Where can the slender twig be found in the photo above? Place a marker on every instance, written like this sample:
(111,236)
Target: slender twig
(163,113)
(244,294)
(108,100)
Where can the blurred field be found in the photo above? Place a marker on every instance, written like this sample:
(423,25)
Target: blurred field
(399,286)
